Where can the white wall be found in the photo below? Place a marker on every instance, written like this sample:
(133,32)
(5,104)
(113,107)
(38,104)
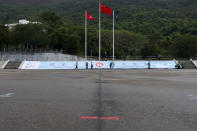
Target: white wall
(97,64)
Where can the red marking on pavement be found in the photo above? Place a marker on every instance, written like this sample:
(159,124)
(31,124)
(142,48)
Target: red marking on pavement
(101,118)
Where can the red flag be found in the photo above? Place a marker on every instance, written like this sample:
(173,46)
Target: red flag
(105,9)
(89,17)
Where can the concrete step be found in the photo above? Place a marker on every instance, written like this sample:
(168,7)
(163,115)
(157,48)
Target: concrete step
(187,64)
(12,65)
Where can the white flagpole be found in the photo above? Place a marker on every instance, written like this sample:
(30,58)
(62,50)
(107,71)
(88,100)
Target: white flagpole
(99,31)
(85,35)
(113,35)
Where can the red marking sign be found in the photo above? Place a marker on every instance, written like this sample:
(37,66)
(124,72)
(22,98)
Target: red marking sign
(101,118)
(99,64)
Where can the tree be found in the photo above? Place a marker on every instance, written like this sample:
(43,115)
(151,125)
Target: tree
(55,28)
(4,37)
(50,21)
(128,43)
(29,36)
(184,46)
(149,49)
(73,46)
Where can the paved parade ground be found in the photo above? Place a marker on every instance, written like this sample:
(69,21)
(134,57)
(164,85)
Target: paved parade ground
(93,100)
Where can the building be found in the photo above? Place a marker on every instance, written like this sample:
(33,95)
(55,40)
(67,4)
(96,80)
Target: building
(23,22)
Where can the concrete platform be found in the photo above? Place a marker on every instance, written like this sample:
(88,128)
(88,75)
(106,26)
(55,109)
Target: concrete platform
(143,100)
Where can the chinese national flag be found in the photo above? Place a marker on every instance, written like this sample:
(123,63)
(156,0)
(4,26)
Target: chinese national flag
(105,9)
(89,17)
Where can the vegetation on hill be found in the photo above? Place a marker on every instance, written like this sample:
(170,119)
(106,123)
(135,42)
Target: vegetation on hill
(144,27)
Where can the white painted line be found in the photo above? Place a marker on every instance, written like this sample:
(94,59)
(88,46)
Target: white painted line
(192,97)
(7,95)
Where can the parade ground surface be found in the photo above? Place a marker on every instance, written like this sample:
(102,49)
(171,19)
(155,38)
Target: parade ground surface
(98,100)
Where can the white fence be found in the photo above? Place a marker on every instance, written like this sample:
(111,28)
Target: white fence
(38,57)
(97,64)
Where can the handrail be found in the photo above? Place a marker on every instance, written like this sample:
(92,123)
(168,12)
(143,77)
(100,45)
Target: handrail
(5,64)
(194,62)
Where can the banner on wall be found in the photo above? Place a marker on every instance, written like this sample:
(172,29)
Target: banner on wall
(162,64)
(57,65)
(30,65)
(94,64)
(131,65)
(97,64)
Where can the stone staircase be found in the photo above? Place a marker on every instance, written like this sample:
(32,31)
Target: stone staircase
(12,65)
(187,64)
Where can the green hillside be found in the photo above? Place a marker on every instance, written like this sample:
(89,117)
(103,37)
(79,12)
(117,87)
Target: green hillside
(134,15)
(159,22)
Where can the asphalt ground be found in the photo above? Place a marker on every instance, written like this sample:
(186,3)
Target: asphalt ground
(98,100)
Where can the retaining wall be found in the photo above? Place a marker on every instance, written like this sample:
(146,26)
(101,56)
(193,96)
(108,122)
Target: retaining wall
(97,64)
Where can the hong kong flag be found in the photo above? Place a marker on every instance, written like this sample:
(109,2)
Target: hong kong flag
(105,9)
(89,17)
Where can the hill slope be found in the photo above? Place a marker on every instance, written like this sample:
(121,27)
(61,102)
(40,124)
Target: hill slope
(144,27)
(144,16)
